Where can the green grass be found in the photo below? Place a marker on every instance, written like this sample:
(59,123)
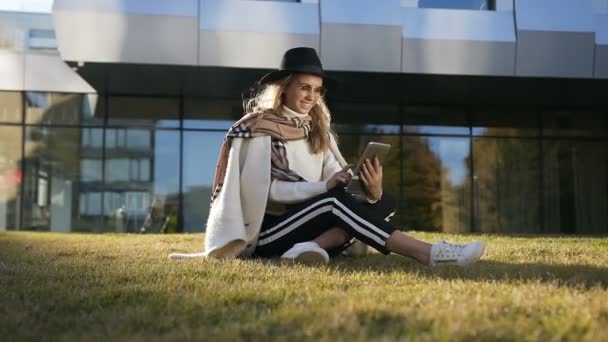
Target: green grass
(122,287)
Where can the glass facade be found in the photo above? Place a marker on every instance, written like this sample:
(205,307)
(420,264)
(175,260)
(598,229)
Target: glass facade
(79,162)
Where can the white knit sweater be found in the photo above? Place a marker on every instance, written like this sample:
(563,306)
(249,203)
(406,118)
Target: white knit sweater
(316,169)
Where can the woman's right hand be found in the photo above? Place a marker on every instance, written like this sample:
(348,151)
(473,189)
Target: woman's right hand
(340,178)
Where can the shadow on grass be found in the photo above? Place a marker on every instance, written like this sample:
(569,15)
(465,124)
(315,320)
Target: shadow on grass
(587,276)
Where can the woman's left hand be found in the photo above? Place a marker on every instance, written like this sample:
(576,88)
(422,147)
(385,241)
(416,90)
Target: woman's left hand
(371,177)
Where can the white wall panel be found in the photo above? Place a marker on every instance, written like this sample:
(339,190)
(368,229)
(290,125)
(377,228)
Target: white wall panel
(12,66)
(51,73)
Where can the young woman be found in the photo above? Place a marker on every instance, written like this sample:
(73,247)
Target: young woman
(279,185)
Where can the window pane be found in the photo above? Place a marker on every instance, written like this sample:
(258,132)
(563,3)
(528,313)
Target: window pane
(436,176)
(62,109)
(505,123)
(10,176)
(352,147)
(575,123)
(141,191)
(198,172)
(211,114)
(506,189)
(10,106)
(143,111)
(575,187)
(365,118)
(434,120)
(60,176)
(456,4)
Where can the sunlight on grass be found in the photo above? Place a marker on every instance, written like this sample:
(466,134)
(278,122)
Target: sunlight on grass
(122,287)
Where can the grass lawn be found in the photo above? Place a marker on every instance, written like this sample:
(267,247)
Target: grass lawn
(122,287)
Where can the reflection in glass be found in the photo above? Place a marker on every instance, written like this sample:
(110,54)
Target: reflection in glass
(456,4)
(10,176)
(435,120)
(365,118)
(502,123)
(352,147)
(53,187)
(143,111)
(574,123)
(62,109)
(506,189)
(10,106)
(198,172)
(575,187)
(211,113)
(141,192)
(436,189)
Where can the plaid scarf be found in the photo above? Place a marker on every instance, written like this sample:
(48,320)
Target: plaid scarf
(252,125)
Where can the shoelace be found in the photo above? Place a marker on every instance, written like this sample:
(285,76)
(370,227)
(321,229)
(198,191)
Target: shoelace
(448,250)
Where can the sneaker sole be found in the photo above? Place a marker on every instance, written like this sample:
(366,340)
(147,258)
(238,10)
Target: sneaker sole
(477,256)
(310,258)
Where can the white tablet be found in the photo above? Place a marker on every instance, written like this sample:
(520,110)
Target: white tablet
(373,149)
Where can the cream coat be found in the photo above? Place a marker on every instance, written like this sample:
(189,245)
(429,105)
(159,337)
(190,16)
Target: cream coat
(236,216)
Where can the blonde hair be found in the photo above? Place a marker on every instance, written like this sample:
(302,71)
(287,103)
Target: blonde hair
(269,99)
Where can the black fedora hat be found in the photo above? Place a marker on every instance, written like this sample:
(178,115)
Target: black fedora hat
(300,60)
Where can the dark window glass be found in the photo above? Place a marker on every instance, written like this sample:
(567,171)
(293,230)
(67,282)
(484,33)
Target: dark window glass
(211,114)
(434,120)
(506,185)
(141,192)
(200,153)
(575,124)
(365,118)
(436,172)
(10,176)
(504,123)
(575,187)
(63,109)
(62,180)
(10,106)
(143,111)
(457,4)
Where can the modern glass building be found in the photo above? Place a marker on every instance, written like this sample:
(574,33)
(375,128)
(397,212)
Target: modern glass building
(112,112)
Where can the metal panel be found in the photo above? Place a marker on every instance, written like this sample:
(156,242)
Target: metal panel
(504,5)
(601,47)
(600,6)
(186,8)
(259,16)
(355,47)
(555,54)
(249,49)
(12,65)
(439,41)
(117,37)
(452,57)
(458,25)
(555,38)
(361,35)
(50,73)
(554,15)
(238,34)
(365,12)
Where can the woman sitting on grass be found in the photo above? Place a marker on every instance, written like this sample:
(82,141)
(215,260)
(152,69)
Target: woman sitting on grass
(279,189)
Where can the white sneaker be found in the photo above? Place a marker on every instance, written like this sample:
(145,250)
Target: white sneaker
(445,253)
(308,253)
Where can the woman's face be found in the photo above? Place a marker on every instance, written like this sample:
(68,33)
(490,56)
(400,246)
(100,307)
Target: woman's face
(303,92)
